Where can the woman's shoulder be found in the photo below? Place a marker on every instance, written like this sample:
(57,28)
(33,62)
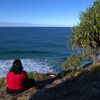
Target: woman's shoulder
(9,72)
(24,72)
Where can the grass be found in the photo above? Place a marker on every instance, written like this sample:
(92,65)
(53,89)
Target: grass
(96,68)
(3,82)
(38,76)
(75,72)
(80,71)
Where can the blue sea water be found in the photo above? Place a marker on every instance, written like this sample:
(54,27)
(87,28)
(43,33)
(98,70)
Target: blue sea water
(41,49)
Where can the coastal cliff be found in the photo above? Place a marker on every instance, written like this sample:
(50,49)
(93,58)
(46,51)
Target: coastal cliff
(80,84)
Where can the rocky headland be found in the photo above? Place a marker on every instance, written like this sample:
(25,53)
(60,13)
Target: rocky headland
(81,84)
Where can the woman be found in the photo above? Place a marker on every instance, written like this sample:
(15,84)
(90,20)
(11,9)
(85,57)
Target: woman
(17,79)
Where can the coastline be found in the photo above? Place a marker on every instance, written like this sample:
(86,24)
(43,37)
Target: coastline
(78,84)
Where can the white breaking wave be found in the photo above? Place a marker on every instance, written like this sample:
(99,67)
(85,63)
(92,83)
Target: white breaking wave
(30,65)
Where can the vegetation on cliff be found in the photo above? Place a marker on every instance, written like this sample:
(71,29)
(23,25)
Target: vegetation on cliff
(87,32)
(80,83)
(86,35)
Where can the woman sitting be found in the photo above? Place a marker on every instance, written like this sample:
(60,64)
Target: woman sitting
(17,79)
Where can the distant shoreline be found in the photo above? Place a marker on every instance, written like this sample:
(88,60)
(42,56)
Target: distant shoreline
(34,27)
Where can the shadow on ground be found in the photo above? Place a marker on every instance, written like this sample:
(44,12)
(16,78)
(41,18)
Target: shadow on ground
(83,87)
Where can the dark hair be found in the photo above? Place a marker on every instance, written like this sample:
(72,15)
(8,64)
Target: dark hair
(17,67)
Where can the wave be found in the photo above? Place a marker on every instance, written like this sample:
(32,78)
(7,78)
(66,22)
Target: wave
(39,65)
(42,65)
(22,52)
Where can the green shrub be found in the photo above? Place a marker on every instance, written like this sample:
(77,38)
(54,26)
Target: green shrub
(38,76)
(3,82)
(72,62)
(91,53)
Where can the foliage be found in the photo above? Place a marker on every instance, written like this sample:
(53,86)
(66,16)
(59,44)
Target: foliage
(91,53)
(3,82)
(72,62)
(87,32)
(80,71)
(96,68)
(75,72)
(37,76)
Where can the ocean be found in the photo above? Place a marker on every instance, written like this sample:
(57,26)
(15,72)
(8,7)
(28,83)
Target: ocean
(41,49)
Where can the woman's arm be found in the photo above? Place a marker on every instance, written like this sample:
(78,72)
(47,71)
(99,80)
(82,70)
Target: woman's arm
(7,79)
(26,76)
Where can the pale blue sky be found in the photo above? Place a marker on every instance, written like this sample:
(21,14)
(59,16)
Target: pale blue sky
(43,12)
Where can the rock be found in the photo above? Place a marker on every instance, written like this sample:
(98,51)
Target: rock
(58,81)
(86,86)
(3,91)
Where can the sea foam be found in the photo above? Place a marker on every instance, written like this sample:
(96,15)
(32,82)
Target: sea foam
(30,65)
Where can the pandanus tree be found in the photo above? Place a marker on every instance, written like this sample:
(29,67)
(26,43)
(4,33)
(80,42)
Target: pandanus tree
(87,32)
(86,35)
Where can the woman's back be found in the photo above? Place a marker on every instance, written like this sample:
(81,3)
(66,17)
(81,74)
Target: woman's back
(16,81)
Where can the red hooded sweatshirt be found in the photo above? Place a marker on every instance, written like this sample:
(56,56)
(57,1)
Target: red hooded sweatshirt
(16,81)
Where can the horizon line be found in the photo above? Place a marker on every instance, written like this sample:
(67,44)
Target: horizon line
(22,24)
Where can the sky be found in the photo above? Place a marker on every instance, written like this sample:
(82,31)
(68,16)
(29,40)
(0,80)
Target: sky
(42,12)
